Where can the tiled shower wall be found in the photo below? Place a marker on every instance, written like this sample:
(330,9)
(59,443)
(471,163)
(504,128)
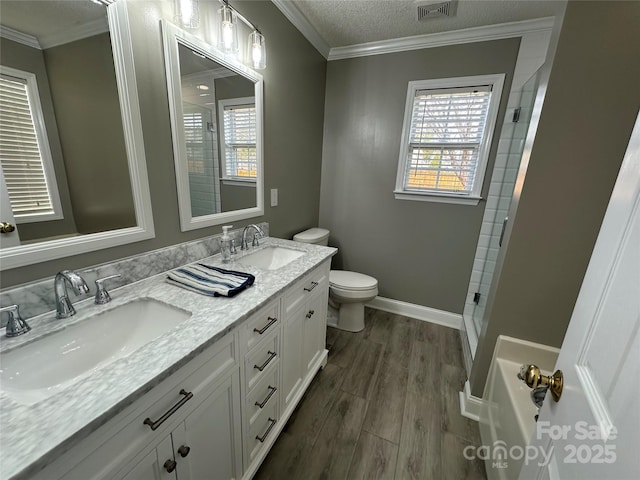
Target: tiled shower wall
(533,51)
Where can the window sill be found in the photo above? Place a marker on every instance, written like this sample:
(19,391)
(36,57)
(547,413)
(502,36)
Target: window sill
(438,198)
(249,182)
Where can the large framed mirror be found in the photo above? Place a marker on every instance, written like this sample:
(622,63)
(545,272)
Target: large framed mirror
(74,175)
(216,123)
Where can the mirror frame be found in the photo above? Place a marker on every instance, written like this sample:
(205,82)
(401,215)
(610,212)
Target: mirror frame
(171,35)
(12,257)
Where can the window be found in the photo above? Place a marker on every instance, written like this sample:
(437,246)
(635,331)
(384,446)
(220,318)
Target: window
(446,137)
(24,149)
(239,135)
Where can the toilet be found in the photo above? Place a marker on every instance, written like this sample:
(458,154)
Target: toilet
(348,291)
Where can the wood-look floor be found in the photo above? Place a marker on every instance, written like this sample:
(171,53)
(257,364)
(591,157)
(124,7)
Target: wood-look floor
(385,407)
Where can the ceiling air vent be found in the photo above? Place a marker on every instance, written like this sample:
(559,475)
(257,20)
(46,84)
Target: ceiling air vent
(436,10)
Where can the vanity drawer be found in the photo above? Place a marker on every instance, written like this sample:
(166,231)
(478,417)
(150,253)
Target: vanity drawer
(312,282)
(265,394)
(261,432)
(261,325)
(259,361)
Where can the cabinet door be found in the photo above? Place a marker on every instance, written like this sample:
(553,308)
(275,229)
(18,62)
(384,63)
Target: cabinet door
(315,325)
(207,444)
(153,466)
(291,365)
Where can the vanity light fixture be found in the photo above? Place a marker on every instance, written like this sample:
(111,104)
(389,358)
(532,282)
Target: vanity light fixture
(186,13)
(228,30)
(228,36)
(257,53)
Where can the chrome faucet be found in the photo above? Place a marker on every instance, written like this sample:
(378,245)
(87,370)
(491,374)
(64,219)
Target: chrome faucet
(259,234)
(64,309)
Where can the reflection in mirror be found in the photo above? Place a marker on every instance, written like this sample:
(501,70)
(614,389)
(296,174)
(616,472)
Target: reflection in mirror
(216,122)
(74,176)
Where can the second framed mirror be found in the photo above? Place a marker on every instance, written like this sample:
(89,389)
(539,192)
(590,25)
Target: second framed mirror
(216,123)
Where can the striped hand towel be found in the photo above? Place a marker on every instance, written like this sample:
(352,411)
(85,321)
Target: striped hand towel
(208,280)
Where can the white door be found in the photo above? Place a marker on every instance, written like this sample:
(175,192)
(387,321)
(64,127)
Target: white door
(8,239)
(593,432)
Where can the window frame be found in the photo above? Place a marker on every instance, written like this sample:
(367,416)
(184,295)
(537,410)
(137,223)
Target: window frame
(225,179)
(46,158)
(496,81)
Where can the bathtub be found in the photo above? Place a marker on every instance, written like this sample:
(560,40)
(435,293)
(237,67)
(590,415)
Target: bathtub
(507,415)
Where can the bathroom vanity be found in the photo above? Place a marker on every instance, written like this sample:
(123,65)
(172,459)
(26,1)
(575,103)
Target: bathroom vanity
(207,398)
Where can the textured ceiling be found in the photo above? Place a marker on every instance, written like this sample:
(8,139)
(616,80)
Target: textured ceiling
(43,18)
(349,22)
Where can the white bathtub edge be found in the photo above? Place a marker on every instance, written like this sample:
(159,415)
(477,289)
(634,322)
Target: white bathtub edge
(470,406)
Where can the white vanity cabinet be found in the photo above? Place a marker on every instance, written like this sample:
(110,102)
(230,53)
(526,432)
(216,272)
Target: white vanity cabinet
(217,416)
(204,445)
(304,333)
(196,420)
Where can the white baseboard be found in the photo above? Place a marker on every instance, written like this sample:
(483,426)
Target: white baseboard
(470,406)
(440,317)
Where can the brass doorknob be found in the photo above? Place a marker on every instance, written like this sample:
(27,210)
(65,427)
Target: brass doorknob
(6,227)
(531,375)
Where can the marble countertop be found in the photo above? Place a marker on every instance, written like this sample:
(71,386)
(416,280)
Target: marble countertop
(34,435)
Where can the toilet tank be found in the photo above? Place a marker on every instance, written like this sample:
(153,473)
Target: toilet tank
(318,236)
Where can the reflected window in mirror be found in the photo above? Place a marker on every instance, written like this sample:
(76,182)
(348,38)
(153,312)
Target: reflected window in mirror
(27,166)
(239,139)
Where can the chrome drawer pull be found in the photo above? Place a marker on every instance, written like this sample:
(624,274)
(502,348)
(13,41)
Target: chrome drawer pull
(264,402)
(272,355)
(272,320)
(313,285)
(261,439)
(310,313)
(154,425)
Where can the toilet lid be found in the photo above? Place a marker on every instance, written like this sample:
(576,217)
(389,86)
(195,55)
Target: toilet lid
(351,280)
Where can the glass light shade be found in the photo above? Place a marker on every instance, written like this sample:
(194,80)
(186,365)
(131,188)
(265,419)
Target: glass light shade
(227,30)
(186,13)
(257,50)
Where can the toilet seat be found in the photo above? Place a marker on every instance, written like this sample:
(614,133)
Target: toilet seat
(351,281)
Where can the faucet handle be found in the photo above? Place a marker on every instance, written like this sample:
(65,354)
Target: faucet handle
(15,325)
(102,296)
(255,242)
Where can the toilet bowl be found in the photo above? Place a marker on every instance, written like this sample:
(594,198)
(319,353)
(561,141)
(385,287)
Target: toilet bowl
(348,291)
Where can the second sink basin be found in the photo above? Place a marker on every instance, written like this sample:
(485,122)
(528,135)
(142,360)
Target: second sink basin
(271,258)
(45,366)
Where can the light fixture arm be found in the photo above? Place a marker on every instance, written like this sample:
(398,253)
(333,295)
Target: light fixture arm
(239,16)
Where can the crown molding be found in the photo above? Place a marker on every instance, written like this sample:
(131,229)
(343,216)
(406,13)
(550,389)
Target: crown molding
(72,34)
(297,18)
(455,37)
(20,37)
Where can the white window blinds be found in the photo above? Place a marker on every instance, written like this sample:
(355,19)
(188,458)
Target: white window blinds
(445,136)
(20,151)
(240,155)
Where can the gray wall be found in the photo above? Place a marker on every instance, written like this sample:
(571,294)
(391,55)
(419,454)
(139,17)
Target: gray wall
(85,98)
(294,84)
(590,108)
(420,252)
(28,59)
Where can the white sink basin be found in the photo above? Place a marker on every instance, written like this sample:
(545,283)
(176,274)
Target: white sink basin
(271,258)
(45,366)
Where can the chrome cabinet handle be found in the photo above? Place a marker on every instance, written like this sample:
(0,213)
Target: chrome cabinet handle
(155,424)
(313,285)
(272,320)
(170,465)
(272,355)
(310,313)
(262,438)
(269,395)
(184,450)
